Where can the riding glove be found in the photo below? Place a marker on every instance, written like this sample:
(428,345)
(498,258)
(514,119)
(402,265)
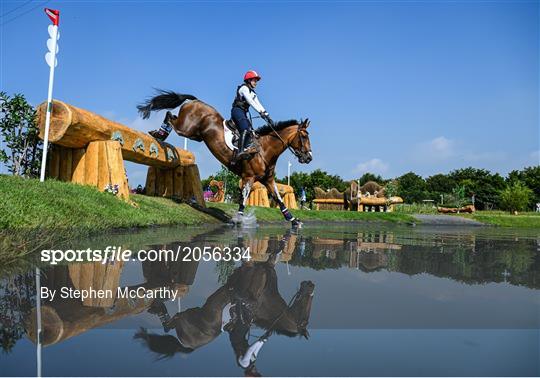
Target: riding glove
(267,118)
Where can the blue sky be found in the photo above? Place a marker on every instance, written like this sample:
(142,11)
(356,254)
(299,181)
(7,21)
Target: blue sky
(390,87)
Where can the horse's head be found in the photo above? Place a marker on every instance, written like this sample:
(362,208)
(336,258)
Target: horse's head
(301,307)
(300,143)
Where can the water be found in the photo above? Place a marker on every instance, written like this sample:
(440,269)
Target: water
(386,301)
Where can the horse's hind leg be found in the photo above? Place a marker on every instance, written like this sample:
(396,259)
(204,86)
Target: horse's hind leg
(186,125)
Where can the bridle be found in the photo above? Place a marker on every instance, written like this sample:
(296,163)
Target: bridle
(270,329)
(298,154)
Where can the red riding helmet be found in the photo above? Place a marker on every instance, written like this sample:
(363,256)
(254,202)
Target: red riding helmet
(251,75)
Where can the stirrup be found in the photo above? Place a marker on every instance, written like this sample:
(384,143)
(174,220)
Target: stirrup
(244,155)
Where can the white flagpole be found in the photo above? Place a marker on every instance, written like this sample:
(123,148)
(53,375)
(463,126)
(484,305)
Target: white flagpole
(51,63)
(289,174)
(38,321)
(185,143)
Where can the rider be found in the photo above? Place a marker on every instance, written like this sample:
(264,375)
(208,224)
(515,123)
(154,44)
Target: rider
(246,97)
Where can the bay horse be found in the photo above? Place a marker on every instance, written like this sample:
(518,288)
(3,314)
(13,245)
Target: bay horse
(199,121)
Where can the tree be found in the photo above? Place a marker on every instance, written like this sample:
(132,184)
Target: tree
(309,181)
(300,180)
(412,188)
(21,136)
(530,177)
(438,185)
(324,180)
(480,182)
(515,197)
(371,177)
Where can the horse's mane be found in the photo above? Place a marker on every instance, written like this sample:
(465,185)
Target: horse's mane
(267,129)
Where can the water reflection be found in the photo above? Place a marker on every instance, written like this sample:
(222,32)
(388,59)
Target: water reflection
(249,297)
(254,302)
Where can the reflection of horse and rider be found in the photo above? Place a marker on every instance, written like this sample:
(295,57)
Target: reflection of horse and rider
(251,154)
(249,297)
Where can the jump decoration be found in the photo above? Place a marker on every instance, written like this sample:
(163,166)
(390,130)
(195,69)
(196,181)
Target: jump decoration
(259,196)
(219,195)
(369,197)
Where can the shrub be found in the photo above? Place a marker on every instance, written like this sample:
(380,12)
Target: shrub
(515,197)
(20,133)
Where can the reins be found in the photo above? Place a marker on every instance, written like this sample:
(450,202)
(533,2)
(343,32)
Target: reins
(293,151)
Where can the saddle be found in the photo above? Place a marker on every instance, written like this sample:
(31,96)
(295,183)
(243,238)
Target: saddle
(232,126)
(232,135)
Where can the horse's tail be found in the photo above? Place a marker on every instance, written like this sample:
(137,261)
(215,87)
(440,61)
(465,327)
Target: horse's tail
(164,100)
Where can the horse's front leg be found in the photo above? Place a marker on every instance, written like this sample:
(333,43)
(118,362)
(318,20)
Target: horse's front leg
(273,191)
(247,184)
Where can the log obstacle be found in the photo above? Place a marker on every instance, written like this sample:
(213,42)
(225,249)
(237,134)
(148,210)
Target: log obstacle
(331,199)
(373,199)
(456,210)
(90,149)
(329,204)
(259,196)
(378,204)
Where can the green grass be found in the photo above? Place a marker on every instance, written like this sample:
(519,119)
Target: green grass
(264,214)
(415,208)
(37,214)
(29,204)
(505,219)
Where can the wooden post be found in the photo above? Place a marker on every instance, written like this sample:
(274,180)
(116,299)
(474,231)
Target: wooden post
(192,184)
(65,164)
(54,164)
(111,167)
(178,182)
(78,167)
(151,181)
(91,159)
(168,180)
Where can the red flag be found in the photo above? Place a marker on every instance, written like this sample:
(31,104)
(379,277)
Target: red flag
(54,15)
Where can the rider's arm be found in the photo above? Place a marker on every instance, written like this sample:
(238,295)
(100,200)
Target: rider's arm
(251,98)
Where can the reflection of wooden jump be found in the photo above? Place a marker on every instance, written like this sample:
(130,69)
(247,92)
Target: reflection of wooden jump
(260,249)
(65,318)
(97,276)
(326,241)
(366,246)
(90,149)
(259,196)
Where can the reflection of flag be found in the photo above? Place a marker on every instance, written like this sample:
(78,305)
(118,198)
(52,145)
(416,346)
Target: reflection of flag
(54,15)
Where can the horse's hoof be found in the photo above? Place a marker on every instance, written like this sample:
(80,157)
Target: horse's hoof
(296,223)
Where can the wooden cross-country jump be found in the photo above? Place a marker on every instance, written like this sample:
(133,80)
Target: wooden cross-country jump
(90,149)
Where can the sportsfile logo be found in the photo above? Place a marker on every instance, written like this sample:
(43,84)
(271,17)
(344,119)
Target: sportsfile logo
(113,253)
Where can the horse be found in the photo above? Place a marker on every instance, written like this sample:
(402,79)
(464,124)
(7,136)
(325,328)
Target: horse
(199,121)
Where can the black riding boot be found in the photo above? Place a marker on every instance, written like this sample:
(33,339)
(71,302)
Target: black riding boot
(245,147)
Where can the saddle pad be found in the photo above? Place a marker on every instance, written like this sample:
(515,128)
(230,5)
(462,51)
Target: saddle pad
(229,135)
